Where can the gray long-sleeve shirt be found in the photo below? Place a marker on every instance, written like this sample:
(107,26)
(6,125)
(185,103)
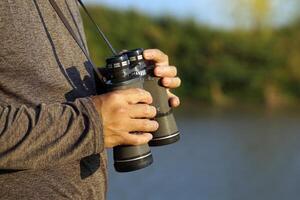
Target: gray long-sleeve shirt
(51,142)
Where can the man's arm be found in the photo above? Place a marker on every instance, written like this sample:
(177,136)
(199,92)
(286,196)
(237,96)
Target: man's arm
(46,135)
(54,134)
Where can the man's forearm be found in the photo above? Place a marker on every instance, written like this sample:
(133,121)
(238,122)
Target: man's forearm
(48,135)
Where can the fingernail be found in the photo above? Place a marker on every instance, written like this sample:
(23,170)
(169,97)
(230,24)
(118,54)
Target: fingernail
(177,102)
(159,71)
(167,81)
(150,136)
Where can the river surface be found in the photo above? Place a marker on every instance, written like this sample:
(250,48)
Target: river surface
(221,156)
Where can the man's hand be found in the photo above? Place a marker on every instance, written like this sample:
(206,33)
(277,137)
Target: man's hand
(168,73)
(124,112)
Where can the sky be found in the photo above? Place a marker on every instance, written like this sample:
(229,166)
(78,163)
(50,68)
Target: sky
(216,13)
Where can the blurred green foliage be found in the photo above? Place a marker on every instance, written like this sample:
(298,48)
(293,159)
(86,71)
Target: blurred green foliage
(217,66)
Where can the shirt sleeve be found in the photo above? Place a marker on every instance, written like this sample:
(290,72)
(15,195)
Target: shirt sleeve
(46,135)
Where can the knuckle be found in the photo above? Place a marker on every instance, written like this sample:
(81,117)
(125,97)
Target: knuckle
(121,110)
(141,92)
(151,111)
(157,51)
(160,52)
(114,96)
(145,94)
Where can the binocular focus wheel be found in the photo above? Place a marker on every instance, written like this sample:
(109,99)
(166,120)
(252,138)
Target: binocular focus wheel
(133,164)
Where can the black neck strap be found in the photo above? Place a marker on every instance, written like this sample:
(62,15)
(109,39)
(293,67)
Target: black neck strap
(72,33)
(101,33)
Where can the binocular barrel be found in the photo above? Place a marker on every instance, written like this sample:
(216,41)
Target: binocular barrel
(126,158)
(167,132)
(130,70)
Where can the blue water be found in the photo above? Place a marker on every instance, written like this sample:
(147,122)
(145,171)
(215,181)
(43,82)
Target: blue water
(220,157)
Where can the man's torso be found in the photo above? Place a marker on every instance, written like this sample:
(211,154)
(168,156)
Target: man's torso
(41,63)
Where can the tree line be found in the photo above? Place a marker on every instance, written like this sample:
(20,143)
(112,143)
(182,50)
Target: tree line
(222,67)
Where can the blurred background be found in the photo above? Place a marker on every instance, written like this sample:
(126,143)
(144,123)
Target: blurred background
(239,61)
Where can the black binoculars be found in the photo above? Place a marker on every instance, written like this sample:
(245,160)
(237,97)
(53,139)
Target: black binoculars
(130,70)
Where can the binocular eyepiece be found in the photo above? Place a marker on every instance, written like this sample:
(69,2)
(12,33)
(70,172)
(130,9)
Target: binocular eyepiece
(118,68)
(130,70)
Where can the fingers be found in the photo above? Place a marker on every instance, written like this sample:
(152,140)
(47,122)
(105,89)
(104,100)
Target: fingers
(165,71)
(157,56)
(139,125)
(171,82)
(174,101)
(136,95)
(137,139)
(162,69)
(142,125)
(142,111)
(128,139)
